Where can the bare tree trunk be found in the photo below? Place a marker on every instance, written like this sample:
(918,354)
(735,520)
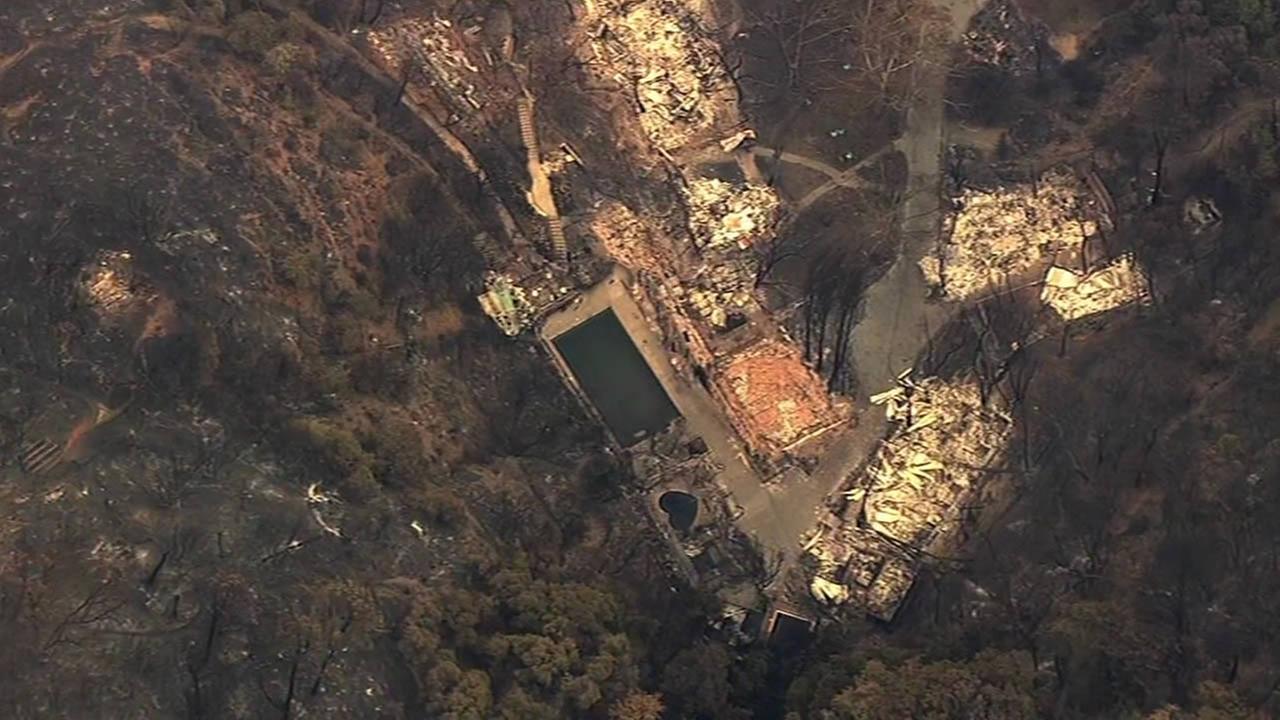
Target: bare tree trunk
(195,700)
(155,572)
(406,69)
(1157,187)
(843,329)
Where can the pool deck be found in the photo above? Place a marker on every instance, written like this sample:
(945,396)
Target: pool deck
(776,514)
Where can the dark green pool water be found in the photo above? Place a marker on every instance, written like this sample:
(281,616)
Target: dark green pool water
(681,509)
(616,378)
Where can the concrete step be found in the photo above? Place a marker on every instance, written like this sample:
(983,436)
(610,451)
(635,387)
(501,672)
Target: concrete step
(40,455)
(559,245)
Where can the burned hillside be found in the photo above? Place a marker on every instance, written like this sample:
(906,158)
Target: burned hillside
(250,407)
(939,361)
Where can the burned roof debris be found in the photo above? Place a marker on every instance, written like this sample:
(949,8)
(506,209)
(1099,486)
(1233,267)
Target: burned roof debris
(943,438)
(776,399)
(662,49)
(1073,295)
(998,236)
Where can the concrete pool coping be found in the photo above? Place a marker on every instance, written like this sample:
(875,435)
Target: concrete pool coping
(702,415)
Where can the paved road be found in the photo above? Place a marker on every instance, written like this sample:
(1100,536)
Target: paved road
(896,319)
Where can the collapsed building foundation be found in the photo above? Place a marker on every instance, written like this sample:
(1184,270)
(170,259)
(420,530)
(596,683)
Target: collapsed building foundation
(915,489)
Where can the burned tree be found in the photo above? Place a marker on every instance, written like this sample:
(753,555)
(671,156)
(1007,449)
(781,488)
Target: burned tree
(1161,144)
(891,44)
(871,46)
(832,293)
(779,248)
(807,36)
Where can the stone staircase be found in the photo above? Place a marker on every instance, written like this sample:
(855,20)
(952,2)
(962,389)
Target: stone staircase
(541,195)
(40,455)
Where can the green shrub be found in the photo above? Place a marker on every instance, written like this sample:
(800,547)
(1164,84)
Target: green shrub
(326,378)
(397,447)
(340,291)
(438,508)
(254,33)
(346,334)
(303,269)
(336,446)
(342,143)
(360,486)
(289,56)
(383,373)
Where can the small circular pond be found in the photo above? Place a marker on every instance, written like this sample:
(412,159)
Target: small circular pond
(681,509)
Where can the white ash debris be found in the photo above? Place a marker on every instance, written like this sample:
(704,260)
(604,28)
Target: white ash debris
(917,483)
(428,44)
(112,286)
(1074,296)
(854,566)
(662,48)
(725,214)
(558,162)
(932,460)
(507,304)
(190,241)
(723,288)
(516,303)
(1201,213)
(890,588)
(832,593)
(627,239)
(1000,36)
(999,235)
(741,140)
(320,502)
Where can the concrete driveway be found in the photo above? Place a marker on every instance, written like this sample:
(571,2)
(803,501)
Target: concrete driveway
(896,317)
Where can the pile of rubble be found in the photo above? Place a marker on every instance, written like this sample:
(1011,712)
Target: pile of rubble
(776,399)
(1201,213)
(112,287)
(999,35)
(723,288)
(1074,296)
(916,485)
(726,219)
(515,304)
(725,214)
(429,44)
(999,235)
(627,239)
(854,566)
(942,439)
(662,49)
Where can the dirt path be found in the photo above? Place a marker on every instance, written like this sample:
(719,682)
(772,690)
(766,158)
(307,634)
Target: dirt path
(847,178)
(1210,142)
(821,166)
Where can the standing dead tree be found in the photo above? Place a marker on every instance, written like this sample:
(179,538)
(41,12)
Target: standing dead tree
(806,36)
(892,43)
(872,46)
(99,604)
(782,246)
(885,45)
(1161,144)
